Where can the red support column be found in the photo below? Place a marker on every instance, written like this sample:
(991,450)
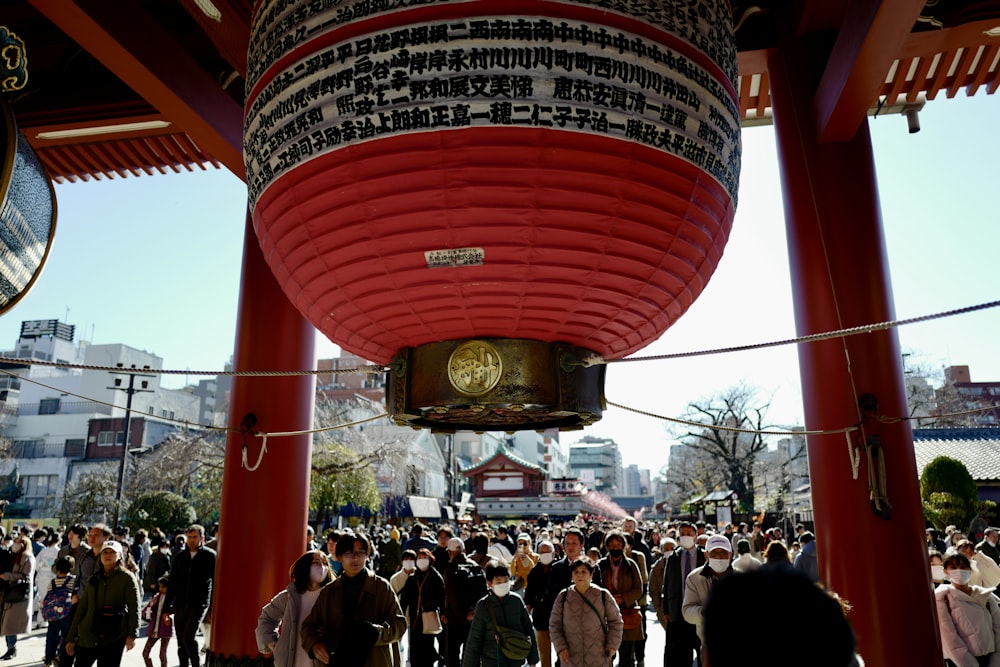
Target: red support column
(263,517)
(840,278)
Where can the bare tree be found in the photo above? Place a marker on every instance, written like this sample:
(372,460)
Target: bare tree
(734,454)
(90,497)
(345,459)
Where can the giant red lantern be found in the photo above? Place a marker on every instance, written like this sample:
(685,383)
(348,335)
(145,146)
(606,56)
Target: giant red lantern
(485,192)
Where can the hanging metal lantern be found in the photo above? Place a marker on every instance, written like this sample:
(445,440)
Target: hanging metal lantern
(27,214)
(497,174)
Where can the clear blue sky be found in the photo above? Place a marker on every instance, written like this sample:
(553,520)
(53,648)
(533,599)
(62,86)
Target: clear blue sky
(154,262)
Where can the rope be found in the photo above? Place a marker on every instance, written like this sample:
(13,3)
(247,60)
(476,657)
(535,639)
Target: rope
(594,360)
(730,429)
(361,370)
(847,430)
(188,424)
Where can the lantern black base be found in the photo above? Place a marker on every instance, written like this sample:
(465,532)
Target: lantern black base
(495,384)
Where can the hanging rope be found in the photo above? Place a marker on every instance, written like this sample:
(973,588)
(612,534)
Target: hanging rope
(594,360)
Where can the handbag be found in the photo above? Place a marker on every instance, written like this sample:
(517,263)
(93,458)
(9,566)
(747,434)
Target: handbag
(513,644)
(631,618)
(16,592)
(430,620)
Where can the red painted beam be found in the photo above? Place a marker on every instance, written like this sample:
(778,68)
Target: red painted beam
(133,46)
(868,41)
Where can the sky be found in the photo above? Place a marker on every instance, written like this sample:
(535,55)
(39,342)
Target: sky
(154,262)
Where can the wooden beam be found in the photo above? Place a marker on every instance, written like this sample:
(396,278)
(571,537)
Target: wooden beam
(868,41)
(139,51)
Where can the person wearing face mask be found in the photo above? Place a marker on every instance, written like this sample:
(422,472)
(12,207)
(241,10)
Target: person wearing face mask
(535,600)
(157,565)
(681,641)
(497,608)
(701,580)
(988,545)
(286,610)
(623,580)
(17,614)
(968,617)
(423,592)
(357,620)
(406,568)
(937,567)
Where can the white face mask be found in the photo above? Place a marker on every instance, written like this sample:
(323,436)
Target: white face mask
(408,565)
(317,573)
(720,565)
(545,559)
(165,551)
(501,590)
(423,564)
(686,541)
(937,572)
(960,577)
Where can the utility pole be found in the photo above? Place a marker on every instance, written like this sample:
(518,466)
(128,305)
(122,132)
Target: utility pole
(129,391)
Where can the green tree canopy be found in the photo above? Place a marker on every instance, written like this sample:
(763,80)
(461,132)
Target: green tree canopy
(163,509)
(949,493)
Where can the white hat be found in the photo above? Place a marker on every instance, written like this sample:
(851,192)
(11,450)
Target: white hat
(455,544)
(114,546)
(718,542)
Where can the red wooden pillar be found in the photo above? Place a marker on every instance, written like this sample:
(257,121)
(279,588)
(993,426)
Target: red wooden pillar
(840,278)
(263,518)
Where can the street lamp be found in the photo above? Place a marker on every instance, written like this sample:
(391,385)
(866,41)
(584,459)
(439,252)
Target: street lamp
(129,391)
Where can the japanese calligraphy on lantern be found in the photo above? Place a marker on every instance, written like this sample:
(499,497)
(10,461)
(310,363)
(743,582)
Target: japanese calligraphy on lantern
(491,71)
(453,257)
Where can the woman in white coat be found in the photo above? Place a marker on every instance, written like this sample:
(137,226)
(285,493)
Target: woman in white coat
(969,617)
(309,574)
(586,625)
(16,603)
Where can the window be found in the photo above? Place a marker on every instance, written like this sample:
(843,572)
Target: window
(39,490)
(48,406)
(108,438)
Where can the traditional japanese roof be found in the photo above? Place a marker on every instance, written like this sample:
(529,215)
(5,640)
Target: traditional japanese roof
(977,448)
(499,460)
(163,80)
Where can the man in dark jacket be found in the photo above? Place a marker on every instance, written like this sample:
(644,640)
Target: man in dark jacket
(682,637)
(192,573)
(464,586)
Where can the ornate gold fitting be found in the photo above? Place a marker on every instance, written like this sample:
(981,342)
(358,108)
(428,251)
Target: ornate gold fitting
(495,384)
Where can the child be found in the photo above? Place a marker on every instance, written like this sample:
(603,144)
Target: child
(160,626)
(56,607)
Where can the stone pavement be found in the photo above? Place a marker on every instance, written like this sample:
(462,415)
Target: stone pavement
(31,648)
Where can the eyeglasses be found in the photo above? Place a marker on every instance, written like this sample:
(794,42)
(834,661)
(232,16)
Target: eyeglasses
(355,554)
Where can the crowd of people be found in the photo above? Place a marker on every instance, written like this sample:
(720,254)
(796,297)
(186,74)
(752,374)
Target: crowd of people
(87,585)
(572,594)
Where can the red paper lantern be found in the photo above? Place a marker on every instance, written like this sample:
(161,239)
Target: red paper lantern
(549,171)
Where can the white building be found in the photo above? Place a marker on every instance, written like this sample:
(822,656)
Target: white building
(597,462)
(52,416)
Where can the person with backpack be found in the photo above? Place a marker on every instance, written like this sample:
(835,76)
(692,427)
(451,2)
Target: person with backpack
(586,625)
(464,585)
(56,607)
(501,634)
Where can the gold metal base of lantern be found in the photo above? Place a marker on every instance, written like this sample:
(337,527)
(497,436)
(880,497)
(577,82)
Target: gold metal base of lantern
(495,384)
